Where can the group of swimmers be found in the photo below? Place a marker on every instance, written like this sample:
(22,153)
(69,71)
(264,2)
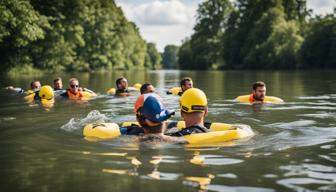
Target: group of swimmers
(152,115)
(149,109)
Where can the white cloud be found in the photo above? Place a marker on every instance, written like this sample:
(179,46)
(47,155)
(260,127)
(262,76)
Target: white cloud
(172,12)
(164,13)
(162,22)
(321,7)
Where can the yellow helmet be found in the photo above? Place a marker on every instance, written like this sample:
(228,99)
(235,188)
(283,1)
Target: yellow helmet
(193,100)
(46,92)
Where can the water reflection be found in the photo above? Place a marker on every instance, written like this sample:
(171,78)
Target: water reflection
(293,149)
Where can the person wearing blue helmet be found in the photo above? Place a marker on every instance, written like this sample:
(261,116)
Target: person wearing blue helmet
(152,116)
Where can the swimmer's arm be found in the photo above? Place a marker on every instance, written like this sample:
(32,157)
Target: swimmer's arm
(15,89)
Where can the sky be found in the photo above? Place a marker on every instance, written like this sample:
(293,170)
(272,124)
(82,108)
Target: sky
(166,22)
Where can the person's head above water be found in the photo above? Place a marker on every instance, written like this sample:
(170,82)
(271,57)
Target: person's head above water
(74,85)
(122,83)
(194,106)
(35,85)
(259,90)
(186,83)
(147,88)
(58,84)
(151,113)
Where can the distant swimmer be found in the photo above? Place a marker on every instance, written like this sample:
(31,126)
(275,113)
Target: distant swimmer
(152,116)
(34,87)
(147,88)
(258,95)
(122,88)
(75,92)
(58,86)
(185,84)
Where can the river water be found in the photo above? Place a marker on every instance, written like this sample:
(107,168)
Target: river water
(293,149)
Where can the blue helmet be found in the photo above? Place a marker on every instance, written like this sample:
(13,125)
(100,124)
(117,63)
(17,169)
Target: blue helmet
(149,106)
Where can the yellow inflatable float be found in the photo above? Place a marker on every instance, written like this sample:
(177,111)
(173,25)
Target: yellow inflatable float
(135,87)
(175,91)
(221,132)
(267,99)
(45,96)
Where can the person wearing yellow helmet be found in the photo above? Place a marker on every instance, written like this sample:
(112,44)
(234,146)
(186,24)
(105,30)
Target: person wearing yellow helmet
(194,107)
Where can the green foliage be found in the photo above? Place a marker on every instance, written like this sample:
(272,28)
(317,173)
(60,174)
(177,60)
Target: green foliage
(153,57)
(77,35)
(205,44)
(170,57)
(259,34)
(319,48)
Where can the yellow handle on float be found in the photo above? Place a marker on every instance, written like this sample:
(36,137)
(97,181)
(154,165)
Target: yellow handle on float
(102,130)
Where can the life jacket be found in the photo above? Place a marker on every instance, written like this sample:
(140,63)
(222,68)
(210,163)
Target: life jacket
(252,99)
(72,95)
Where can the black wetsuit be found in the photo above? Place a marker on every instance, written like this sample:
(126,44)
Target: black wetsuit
(133,129)
(190,130)
(121,91)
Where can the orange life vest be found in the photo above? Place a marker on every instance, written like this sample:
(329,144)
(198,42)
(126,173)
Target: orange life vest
(72,95)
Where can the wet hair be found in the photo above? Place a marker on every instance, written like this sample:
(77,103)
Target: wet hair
(119,80)
(57,79)
(144,87)
(183,81)
(258,84)
(32,83)
(72,79)
(145,126)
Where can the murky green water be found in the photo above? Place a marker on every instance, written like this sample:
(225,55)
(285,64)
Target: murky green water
(294,148)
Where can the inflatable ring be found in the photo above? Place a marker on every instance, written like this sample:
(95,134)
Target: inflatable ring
(175,91)
(135,87)
(101,130)
(267,99)
(44,102)
(181,124)
(86,95)
(221,132)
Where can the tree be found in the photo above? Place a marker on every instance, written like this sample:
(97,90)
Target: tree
(69,35)
(153,57)
(169,57)
(205,43)
(319,48)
